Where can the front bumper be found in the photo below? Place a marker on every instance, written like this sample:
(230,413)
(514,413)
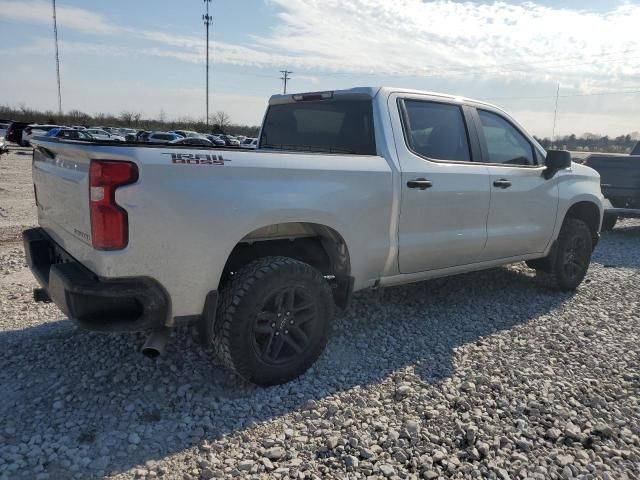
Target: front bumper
(107,305)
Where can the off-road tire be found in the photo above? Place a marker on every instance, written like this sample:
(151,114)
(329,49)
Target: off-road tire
(608,222)
(573,232)
(244,297)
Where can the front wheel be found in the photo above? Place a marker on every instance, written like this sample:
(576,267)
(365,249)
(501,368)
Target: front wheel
(274,320)
(573,254)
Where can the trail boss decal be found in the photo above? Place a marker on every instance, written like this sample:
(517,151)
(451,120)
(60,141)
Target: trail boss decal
(196,159)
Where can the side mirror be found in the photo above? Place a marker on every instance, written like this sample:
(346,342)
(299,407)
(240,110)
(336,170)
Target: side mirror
(556,160)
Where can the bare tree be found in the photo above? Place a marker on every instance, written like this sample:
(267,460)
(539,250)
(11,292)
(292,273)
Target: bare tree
(221,120)
(127,118)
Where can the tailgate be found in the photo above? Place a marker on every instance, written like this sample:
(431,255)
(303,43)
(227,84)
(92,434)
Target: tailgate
(60,177)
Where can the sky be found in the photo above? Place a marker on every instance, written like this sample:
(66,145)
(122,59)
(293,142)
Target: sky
(149,56)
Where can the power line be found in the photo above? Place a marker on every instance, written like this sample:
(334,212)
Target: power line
(55,36)
(285,78)
(208,20)
(540,97)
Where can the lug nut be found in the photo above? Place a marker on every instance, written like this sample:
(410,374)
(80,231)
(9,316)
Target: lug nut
(273,325)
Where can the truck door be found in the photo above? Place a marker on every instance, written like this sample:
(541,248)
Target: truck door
(445,187)
(523,203)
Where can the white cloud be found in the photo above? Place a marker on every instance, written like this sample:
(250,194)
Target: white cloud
(40,11)
(440,38)
(455,39)
(507,49)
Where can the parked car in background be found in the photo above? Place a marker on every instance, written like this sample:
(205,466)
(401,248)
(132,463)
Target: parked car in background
(241,138)
(620,183)
(142,135)
(162,137)
(79,127)
(196,141)
(249,144)
(104,135)
(14,132)
(69,133)
(230,140)
(188,133)
(3,129)
(35,130)
(216,140)
(123,132)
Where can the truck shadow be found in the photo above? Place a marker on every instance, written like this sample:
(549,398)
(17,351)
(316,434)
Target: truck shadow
(89,392)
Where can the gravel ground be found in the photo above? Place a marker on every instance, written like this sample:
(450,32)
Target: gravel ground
(485,375)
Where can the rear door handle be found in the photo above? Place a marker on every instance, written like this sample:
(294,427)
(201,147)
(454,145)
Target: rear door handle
(502,183)
(421,183)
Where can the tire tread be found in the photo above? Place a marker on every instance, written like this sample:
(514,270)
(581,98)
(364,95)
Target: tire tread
(235,291)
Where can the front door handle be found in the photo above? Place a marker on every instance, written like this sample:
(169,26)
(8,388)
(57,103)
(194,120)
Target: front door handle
(421,183)
(502,183)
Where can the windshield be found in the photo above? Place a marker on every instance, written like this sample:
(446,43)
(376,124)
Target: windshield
(326,126)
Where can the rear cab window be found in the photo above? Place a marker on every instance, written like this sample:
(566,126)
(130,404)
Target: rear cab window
(321,126)
(436,131)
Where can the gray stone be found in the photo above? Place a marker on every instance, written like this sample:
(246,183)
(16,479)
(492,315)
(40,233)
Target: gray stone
(274,453)
(351,462)
(387,470)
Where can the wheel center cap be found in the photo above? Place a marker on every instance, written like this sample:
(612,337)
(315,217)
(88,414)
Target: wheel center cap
(286,317)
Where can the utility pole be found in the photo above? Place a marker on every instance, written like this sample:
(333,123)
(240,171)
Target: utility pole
(285,78)
(555,117)
(55,35)
(208,20)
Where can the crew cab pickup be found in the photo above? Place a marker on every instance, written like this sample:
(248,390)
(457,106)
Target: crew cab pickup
(348,190)
(620,182)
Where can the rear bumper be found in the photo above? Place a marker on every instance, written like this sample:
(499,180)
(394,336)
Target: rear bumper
(107,305)
(623,212)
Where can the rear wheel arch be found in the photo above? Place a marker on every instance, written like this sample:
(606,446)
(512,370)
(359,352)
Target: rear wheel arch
(317,245)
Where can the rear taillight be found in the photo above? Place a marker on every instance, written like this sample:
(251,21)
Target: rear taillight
(109,222)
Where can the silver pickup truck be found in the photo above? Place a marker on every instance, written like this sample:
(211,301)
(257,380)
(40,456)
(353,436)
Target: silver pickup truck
(352,189)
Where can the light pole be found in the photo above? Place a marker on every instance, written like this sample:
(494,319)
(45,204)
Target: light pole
(208,20)
(55,36)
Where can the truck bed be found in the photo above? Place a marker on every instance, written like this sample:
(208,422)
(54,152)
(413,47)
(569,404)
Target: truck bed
(620,178)
(206,200)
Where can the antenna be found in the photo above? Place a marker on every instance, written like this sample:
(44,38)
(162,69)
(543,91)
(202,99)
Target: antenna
(208,21)
(285,78)
(555,117)
(55,35)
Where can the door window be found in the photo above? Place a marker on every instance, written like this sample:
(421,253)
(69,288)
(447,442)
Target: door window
(504,143)
(436,130)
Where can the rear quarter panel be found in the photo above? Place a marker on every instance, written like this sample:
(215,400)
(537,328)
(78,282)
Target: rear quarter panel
(185,219)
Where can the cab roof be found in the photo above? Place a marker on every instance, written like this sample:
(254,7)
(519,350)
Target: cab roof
(368,92)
